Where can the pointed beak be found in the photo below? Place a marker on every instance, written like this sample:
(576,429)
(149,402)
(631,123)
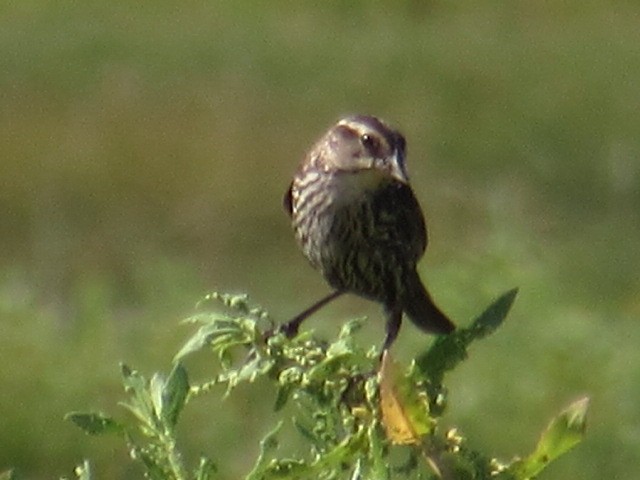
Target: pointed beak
(396,167)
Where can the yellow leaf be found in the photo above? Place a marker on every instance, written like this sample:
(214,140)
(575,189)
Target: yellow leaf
(405,413)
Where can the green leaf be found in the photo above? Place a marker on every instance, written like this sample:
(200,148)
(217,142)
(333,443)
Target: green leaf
(8,475)
(197,342)
(239,302)
(379,465)
(206,469)
(324,466)
(327,368)
(219,333)
(141,405)
(254,368)
(282,396)
(94,423)
(174,394)
(493,316)
(308,433)
(350,327)
(153,465)
(449,350)
(267,446)
(132,380)
(342,454)
(563,433)
(156,389)
(83,472)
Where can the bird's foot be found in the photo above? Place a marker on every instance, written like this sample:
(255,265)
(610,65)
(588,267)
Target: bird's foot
(288,329)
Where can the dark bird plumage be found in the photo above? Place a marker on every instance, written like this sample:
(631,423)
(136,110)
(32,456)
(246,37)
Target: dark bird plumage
(358,222)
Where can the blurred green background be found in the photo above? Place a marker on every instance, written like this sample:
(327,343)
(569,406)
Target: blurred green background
(145,148)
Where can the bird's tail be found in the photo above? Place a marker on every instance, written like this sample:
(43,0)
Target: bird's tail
(421,310)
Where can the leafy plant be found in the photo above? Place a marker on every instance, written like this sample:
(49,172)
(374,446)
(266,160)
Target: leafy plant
(359,417)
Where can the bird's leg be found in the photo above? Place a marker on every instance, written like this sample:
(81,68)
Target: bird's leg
(392,327)
(290,329)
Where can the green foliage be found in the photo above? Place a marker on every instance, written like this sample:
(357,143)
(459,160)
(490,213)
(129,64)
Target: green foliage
(7,475)
(448,351)
(357,418)
(136,139)
(563,433)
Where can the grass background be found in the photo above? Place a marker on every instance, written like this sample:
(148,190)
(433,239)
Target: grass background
(145,148)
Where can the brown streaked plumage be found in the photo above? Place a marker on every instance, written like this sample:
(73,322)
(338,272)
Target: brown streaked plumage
(358,222)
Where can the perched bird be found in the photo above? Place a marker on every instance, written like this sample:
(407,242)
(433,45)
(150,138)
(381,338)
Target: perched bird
(358,222)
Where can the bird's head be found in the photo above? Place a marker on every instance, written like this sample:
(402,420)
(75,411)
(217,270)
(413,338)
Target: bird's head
(364,144)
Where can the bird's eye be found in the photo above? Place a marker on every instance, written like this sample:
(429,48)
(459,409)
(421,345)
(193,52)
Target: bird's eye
(369,142)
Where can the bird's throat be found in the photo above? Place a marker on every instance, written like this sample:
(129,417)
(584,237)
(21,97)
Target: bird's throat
(351,186)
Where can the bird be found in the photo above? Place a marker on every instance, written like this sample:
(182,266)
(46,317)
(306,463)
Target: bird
(358,222)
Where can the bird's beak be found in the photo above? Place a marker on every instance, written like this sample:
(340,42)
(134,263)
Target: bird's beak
(396,167)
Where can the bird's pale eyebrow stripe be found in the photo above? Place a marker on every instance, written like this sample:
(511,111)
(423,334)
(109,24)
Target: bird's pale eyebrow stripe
(364,125)
(347,130)
(370,123)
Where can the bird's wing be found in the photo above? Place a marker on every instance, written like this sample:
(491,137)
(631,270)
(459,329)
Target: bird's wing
(413,220)
(286,201)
